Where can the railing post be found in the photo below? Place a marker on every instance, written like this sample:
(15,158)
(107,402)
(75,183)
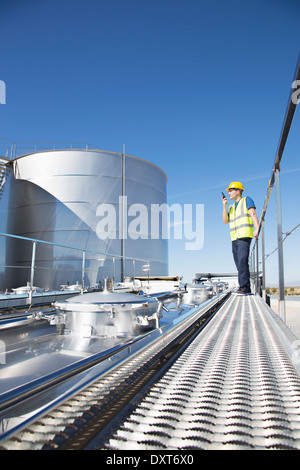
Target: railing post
(251,264)
(281,305)
(29,300)
(257,267)
(32,265)
(254,266)
(82,271)
(114,271)
(250,267)
(123,228)
(263,260)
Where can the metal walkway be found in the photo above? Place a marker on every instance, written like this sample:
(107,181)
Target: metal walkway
(234,387)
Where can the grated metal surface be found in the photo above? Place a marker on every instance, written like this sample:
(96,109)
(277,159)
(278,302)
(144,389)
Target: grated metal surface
(234,387)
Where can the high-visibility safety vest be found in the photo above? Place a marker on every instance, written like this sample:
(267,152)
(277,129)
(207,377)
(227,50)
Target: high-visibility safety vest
(240,221)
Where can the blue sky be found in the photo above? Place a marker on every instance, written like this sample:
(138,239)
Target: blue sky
(198,87)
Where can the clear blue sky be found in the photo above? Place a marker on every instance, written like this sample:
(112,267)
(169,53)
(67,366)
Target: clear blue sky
(198,87)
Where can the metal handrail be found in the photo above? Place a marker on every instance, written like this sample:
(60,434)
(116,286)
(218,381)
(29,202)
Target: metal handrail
(36,241)
(275,181)
(18,149)
(282,142)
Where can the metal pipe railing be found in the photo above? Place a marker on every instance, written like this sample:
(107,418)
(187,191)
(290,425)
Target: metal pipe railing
(13,150)
(84,252)
(275,181)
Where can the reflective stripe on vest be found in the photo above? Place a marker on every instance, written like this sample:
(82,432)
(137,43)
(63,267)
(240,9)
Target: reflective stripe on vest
(240,221)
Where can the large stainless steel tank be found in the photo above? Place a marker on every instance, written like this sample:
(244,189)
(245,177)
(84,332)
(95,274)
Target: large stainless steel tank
(58,196)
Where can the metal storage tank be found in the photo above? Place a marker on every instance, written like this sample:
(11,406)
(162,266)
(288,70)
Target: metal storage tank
(58,196)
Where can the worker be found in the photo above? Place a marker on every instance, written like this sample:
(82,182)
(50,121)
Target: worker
(241,217)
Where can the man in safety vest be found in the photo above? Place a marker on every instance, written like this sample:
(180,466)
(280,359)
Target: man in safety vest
(241,217)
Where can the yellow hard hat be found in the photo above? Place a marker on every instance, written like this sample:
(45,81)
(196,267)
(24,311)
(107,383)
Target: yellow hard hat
(235,185)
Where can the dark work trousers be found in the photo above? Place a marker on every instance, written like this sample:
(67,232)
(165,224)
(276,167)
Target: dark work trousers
(240,250)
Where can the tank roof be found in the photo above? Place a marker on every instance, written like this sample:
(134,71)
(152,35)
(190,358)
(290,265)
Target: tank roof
(92,150)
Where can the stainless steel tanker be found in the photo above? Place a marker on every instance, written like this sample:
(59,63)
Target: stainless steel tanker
(61,196)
